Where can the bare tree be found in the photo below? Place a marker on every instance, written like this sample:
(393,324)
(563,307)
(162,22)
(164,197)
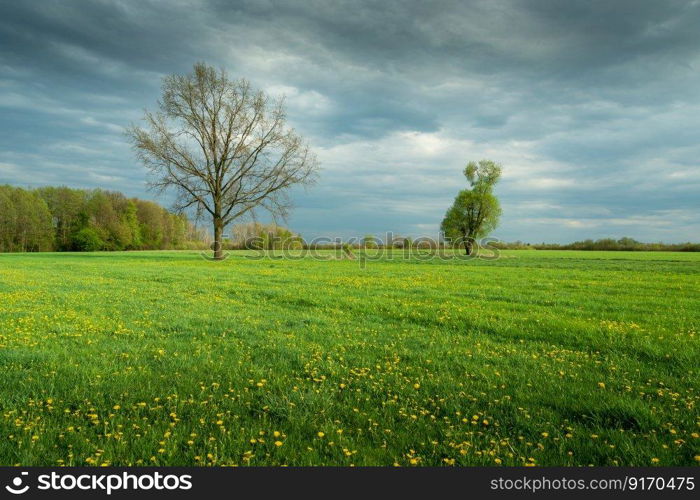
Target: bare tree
(224,147)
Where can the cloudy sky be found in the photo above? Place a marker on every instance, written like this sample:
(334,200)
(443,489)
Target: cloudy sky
(592,107)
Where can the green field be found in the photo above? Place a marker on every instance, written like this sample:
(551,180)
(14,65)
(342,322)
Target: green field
(540,357)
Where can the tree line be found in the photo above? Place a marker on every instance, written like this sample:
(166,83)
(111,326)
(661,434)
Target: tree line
(66,219)
(611,244)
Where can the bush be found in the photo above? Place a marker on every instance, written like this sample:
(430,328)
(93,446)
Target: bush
(87,240)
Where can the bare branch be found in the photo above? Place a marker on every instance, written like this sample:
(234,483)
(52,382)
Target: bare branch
(222,147)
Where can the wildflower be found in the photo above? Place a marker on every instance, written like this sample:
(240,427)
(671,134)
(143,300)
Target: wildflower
(321,434)
(278,443)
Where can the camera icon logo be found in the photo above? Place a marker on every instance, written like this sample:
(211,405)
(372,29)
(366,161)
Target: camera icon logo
(16,488)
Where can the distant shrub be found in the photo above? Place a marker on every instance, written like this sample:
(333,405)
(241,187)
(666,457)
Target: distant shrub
(87,240)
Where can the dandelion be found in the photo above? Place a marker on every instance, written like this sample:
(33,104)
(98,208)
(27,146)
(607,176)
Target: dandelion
(321,434)
(278,443)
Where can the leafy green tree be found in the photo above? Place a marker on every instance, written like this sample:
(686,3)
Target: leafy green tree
(149,215)
(370,241)
(29,229)
(88,240)
(131,221)
(67,207)
(476,210)
(7,220)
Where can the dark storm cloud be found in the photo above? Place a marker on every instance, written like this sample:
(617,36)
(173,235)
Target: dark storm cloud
(593,107)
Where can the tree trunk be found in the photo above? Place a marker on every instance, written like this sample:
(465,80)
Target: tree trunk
(218,238)
(468,246)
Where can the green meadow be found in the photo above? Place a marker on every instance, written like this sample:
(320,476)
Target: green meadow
(164,358)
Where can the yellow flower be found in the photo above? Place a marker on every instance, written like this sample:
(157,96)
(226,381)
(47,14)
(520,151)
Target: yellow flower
(601,385)
(654,460)
(497,460)
(278,443)
(321,434)
(276,434)
(545,434)
(416,386)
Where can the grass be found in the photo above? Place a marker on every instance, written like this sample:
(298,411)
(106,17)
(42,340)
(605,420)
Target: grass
(163,358)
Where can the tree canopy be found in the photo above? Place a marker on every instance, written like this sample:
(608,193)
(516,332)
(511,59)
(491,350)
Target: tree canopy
(65,219)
